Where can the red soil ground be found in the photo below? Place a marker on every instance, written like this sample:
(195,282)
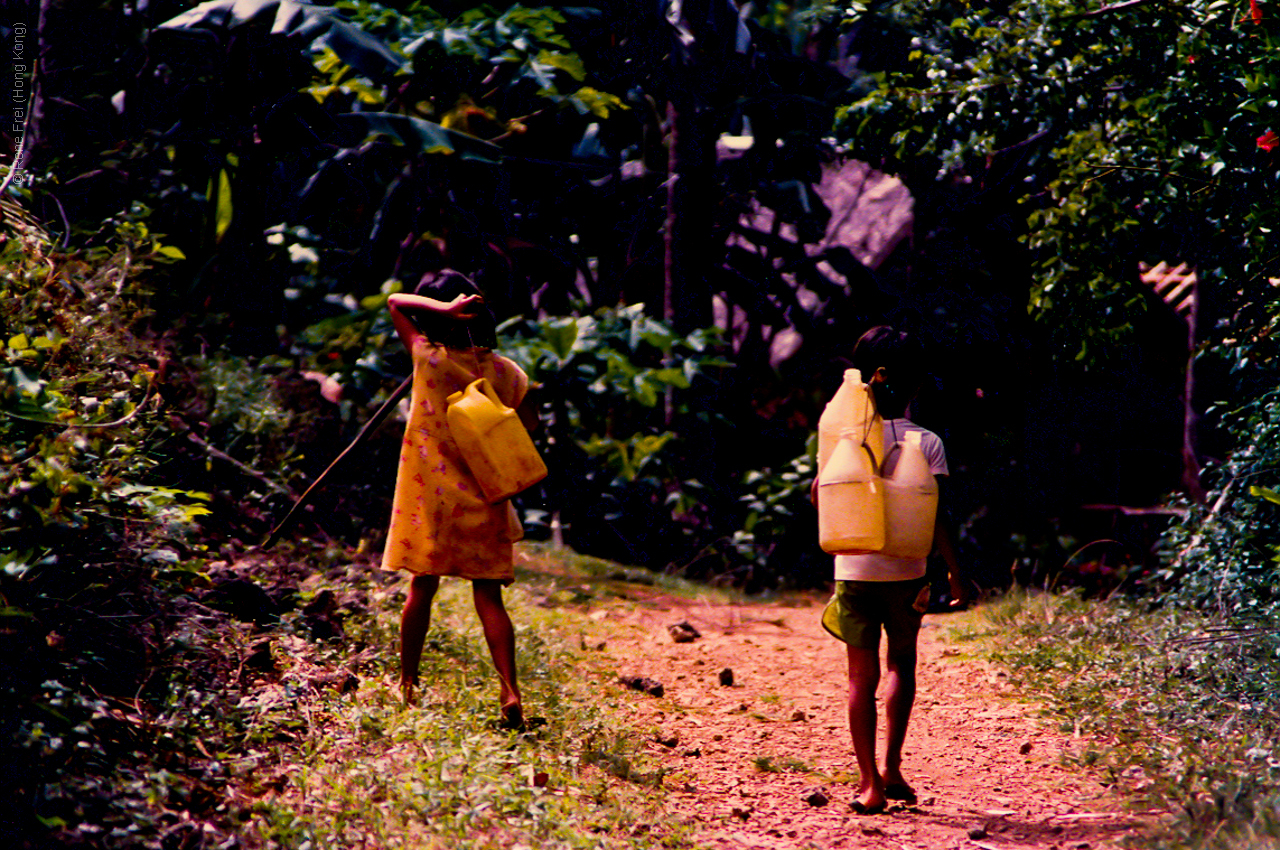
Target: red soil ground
(990,770)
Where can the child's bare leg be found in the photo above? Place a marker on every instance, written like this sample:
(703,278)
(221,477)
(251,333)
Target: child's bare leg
(900,695)
(500,635)
(864,676)
(415,619)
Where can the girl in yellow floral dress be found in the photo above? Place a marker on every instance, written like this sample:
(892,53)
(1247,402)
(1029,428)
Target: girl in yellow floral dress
(440,523)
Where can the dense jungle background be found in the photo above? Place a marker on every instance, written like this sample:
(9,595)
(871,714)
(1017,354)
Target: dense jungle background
(683,214)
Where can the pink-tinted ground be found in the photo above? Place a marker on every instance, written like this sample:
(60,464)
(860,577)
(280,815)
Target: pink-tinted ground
(743,761)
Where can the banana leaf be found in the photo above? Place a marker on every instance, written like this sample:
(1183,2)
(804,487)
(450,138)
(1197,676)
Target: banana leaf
(417,133)
(311,24)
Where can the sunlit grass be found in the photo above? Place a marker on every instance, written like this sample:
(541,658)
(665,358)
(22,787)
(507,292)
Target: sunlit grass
(1181,712)
(373,772)
(562,568)
(786,764)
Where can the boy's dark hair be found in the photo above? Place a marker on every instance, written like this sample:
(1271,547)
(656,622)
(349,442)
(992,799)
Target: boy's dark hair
(902,359)
(446,285)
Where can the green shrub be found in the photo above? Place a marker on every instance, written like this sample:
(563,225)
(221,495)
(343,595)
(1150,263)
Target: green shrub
(1225,556)
(625,429)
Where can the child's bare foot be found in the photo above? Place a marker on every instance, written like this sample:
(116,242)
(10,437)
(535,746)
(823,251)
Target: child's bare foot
(899,791)
(896,787)
(513,717)
(868,803)
(870,799)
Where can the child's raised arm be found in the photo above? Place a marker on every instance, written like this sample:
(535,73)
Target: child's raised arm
(460,308)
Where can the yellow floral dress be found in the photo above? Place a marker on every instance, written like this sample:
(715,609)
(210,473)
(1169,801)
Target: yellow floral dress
(440,522)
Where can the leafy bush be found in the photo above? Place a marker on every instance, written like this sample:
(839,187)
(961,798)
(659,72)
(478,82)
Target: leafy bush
(1134,134)
(622,402)
(778,534)
(1225,557)
(118,482)
(86,530)
(78,390)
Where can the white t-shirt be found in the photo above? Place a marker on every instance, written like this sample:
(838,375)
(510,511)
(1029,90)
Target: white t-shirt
(878,567)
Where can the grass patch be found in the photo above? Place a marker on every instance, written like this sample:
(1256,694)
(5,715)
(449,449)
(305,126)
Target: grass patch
(767,764)
(1184,711)
(565,571)
(369,771)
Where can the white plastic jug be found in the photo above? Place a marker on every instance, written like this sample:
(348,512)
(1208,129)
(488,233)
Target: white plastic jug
(852,408)
(850,499)
(493,442)
(910,500)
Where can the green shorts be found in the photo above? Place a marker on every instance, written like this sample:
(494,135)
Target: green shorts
(859,609)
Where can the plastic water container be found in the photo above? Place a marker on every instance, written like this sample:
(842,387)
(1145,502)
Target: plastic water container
(910,500)
(850,499)
(493,442)
(852,408)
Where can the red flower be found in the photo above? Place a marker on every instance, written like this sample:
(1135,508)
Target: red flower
(1255,11)
(1268,141)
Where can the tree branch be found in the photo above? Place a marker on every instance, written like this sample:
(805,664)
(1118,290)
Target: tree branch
(124,420)
(240,466)
(1163,172)
(1118,7)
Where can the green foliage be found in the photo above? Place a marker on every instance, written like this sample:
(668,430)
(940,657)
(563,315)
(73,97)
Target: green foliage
(308,24)
(517,51)
(800,21)
(618,394)
(1128,133)
(610,362)
(1180,710)
(776,502)
(84,524)
(1225,556)
(76,396)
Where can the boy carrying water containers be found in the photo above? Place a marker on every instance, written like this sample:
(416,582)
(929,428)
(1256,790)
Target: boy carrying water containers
(876,495)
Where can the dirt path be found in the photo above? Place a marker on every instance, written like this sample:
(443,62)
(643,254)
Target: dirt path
(987,768)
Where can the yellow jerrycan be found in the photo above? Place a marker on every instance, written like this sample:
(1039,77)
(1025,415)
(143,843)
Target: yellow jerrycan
(850,499)
(493,442)
(852,408)
(910,501)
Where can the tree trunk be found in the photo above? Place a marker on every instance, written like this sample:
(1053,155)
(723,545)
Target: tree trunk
(687,301)
(74,47)
(1190,458)
(690,167)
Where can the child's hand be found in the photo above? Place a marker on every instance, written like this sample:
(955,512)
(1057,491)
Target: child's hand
(959,593)
(463,306)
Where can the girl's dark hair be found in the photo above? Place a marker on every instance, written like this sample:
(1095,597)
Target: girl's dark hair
(446,285)
(902,359)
